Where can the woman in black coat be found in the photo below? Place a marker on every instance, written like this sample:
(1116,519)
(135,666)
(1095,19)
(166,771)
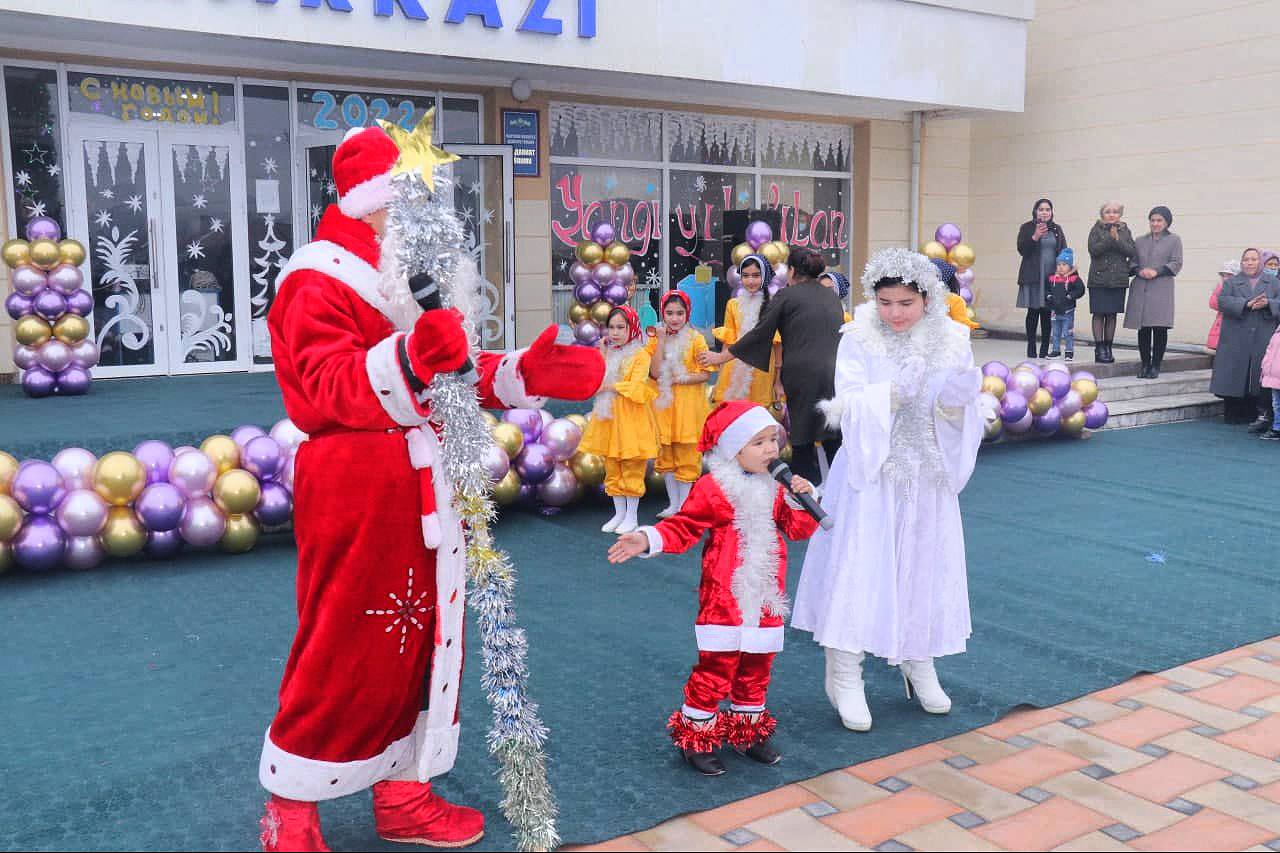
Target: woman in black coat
(1039,242)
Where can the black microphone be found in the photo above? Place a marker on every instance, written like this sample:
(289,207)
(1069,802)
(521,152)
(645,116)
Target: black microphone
(426,292)
(781,472)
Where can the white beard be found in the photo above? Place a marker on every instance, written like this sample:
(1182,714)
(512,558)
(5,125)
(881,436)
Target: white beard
(393,286)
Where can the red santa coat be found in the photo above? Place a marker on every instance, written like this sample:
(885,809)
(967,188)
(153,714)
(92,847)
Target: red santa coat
(378,610)
(742,596)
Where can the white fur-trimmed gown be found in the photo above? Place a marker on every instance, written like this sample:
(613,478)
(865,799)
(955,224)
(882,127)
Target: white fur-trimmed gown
(890,578)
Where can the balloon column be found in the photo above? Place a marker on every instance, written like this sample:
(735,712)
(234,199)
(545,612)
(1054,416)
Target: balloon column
(49,305)
(535,460)
(946,246)
(603,279)
(1031,400)
(760,242)
(78,509)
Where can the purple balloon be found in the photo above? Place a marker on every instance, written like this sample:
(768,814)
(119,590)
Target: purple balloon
(603,233)
(579,273)
(1056,382)
(202,522)
(18,305)
(1048,423)
(733,278)
(25,357)
(496,462)
(43,228)
(1083,374)
(275,505)
(604,274)
(615,294)
(1033,368)
(626,275)
(156,457)
(965,278)
(193,473)
(1024,382)
(560,488)
(534,464)
(82,512)
(49,304)
(561,437)
(586,333)
(40,544)
(83,552)
(75,464)
(162,544)
(28,280)
(758,233)
(774,287)
(287,434)
(996,368)
(967,295)
(160,506)
(285,477)
(66,279)
(262,457)
(80,302)
(74,381)
(529,421)
(1013,407)
(244,433)
(587,292)
(54,355)
(948,234)
(528,497)
(1021,425)
(84,354)
(1070,403)
(1096,415)
(37,487)
(38,382)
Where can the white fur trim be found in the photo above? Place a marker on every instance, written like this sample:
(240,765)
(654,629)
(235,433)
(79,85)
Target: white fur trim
(655,540)
(431,531)
(508,384)
(755,579)
(437,748)
(738,638)
(833,411)
(298,778)
(741,373)
(671,369)
(363,199)
(332,260)
(382,364)
(616,362)
(422,452)
(739,433)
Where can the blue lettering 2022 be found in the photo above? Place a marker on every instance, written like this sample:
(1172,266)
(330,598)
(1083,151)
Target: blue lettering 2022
(356,112)
(539,15)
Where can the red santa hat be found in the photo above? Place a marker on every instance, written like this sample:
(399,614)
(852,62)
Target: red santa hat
(731,426)
(362,170)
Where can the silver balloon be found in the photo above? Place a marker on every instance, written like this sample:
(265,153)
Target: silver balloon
(560,488)
(83,552)
(285,477)
(54,355)
(25,357)
(75,464)
(561,437)
(66,279)
(496,462)
(82,512)
(193,473)
(85,353)
(287,434)
(626,275)
(202,523)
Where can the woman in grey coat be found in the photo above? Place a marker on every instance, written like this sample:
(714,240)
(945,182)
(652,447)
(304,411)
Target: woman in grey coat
(1250,306)
(1157,259)
(1111,251)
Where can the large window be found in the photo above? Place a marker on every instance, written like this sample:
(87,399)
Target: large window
(31,98)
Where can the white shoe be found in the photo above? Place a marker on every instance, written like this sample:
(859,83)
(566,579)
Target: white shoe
(673,496)
(619,513)
(846,689)
(921,675)
(629,522)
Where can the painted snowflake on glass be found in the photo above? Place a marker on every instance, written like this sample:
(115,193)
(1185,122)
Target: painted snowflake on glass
(215,225)
(195,251)
(103,218)
(135,203)
(199,202)
(23,179)
(269,166)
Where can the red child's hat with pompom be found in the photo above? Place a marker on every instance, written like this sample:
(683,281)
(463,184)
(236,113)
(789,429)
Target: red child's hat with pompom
(731,426)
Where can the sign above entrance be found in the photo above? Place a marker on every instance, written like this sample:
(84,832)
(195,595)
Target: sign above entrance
(180,102)
(540,16)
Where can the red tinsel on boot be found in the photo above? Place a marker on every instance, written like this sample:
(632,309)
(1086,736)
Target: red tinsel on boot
(744,729)
(696,735)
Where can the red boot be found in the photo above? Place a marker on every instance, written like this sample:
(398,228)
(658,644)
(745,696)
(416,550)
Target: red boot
(291,825)
(410,812)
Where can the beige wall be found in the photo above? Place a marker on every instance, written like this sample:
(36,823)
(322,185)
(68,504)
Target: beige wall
(1148,102)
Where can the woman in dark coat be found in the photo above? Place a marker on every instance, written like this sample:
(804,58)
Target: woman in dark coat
(1039,242)
(1250,306)
(808,316)
(1157,260)
(1111,252)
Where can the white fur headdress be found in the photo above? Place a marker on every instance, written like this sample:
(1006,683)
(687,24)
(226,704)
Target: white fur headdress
(913,268)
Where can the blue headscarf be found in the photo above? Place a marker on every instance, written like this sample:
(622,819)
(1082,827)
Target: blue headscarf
(766,270)
(840,280)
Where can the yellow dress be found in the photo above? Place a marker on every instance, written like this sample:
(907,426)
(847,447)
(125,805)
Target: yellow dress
(680,422)
(623,426)
(760,388)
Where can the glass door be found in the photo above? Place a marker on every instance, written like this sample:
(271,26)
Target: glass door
(116,185)
(483,199)
(317,160)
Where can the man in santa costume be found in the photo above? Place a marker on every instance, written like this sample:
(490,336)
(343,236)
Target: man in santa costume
(370,690)
(742,599)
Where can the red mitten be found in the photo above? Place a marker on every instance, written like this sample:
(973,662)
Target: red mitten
(437,344)
(562,372)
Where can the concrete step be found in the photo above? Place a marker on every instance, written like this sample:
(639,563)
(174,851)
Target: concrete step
(1121,388)
(1164,409)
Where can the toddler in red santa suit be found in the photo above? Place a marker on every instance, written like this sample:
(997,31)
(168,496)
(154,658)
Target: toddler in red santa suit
(369,696)
(742,599)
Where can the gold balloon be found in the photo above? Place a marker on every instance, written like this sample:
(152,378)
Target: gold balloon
(991,430)
(241,533)
(1040,402)
(32,331)
(994,386)
(8,467)
(590,252)
(223,450)
(772,253)
(1087,389)
(124,534)
(1073,424)
(784,248)
(506,490)
(236,491)
(599,312)
(119,477)
(578,420)
(654,484)
(935,250)
(16,252)
(740,251)
(961,256)
(71,252)
(10,518)
(45,254)
(588,468)
(617,253)
(509,438)
(71,328)
(490,420)
(785,453)
(578,313)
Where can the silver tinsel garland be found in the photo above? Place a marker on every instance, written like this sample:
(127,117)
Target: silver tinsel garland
(430,239)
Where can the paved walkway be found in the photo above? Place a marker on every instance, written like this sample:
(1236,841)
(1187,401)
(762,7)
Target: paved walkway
(1186,759)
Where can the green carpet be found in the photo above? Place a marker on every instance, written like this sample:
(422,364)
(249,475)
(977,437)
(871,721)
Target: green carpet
(135,696)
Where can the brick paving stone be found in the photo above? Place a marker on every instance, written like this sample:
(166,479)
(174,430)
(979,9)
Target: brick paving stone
(1186,705)
(1153,750)
(1239,692)
(1238,804)
(819,809)
(844,790)
(1125,689)
(1130,704)
(964,790)
(1021,742)
(1121,806)
(1077,722)
(733,815)
(1259,667)
(1189,676)
(1223,658)
(978,747)
(622,844)
(1121,832)
(1034,794)
(967,820)
(1206,731)
(1141,726)
(1270,792)
(1092,842)
(893,784)
(1044,827)
(1183,805)
(795,830)
(1017,722)
(1168,777)
(1094,710)
(1255,711)
(874,771)
(1029,767)
(1241,782)
(1205,830)
(878,822)
(1087,745)
(740,836)
(1261,738)
(945,835)
(892,846)
(681,833)
(1223,755)
(959,762)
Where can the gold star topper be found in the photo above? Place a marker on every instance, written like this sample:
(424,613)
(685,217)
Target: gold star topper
(417,154)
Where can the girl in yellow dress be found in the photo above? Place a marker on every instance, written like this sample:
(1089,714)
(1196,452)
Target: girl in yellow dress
(681,405)
(622,428)
(739,380)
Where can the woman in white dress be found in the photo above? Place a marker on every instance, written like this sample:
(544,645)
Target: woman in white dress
(889,579)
